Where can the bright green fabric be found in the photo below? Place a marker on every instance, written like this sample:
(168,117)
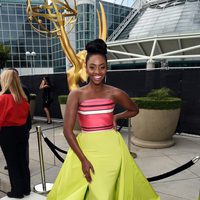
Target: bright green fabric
(116,177)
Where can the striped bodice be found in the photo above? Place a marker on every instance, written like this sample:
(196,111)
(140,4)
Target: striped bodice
(96,114)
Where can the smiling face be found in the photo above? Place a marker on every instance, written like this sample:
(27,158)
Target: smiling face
(96,68)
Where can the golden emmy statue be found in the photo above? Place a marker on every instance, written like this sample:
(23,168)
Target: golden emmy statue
(61,15)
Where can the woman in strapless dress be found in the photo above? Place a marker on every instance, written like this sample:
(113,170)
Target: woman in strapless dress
(98,165)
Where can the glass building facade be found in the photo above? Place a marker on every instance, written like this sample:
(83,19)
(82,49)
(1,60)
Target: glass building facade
(58,56)
(87,27)
(164,18)
(173,25)
(115,14)
(16,32)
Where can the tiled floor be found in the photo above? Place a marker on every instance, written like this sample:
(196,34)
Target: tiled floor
(182,186)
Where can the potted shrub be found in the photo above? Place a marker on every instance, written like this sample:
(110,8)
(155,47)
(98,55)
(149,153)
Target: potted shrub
(157,120)
(62,100)
(4,55)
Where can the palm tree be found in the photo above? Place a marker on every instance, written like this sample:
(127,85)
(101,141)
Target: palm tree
(4,55)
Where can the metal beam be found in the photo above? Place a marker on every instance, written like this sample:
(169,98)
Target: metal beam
(114,55)
(128,54)
(126,59)
(159,47)
(179,56)
(124,49)
(171,54)
(179,51)
(150,39)
(152,50)
(180,45)
(141,48)
(156,57)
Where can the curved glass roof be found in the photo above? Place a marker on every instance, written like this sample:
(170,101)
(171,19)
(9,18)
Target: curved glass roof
(20,1)
(167,18)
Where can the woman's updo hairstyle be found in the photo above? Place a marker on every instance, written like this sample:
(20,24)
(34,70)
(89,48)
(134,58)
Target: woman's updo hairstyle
(94,47)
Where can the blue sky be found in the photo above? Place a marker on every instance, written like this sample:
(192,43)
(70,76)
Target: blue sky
(125,2)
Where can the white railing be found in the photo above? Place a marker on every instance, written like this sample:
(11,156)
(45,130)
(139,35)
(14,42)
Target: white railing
(122,25)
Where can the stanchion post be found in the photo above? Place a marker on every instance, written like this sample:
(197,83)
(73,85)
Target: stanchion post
(134,155)
(54,142)
(129,134)
(44,187)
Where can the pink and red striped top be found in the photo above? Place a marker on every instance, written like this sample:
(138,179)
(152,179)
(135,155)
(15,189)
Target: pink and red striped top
(96,114)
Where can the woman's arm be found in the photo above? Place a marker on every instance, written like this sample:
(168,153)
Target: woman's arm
(3,107)
(42,85)
(69,122)
(129,105)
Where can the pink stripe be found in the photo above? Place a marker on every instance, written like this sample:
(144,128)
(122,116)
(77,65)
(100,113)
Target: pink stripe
(96,120)
(91,102)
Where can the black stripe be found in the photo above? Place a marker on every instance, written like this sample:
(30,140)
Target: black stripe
(98,105)
(96,127)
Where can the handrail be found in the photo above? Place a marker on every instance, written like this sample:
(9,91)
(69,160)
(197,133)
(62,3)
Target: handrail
(123,24)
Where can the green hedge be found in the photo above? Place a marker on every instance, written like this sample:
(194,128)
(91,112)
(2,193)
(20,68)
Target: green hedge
(62,99)
(162,99)
(164,104)
(156,99)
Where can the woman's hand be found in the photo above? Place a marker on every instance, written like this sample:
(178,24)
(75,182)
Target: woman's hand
(46,86)
(86,167)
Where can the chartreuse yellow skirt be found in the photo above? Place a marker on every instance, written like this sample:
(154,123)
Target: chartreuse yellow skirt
(117,177)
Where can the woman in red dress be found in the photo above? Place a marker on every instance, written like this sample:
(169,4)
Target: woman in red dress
(13,138)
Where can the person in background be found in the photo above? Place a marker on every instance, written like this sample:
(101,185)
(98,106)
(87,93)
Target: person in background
(45,86)
(13,140)
(28,121)
(98,165)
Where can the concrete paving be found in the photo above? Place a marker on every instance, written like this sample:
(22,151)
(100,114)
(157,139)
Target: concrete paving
(32,196)
(182,186)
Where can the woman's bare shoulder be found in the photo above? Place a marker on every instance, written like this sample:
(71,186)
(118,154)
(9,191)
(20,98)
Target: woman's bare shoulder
(74,94)
(77,94)
(114,90)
